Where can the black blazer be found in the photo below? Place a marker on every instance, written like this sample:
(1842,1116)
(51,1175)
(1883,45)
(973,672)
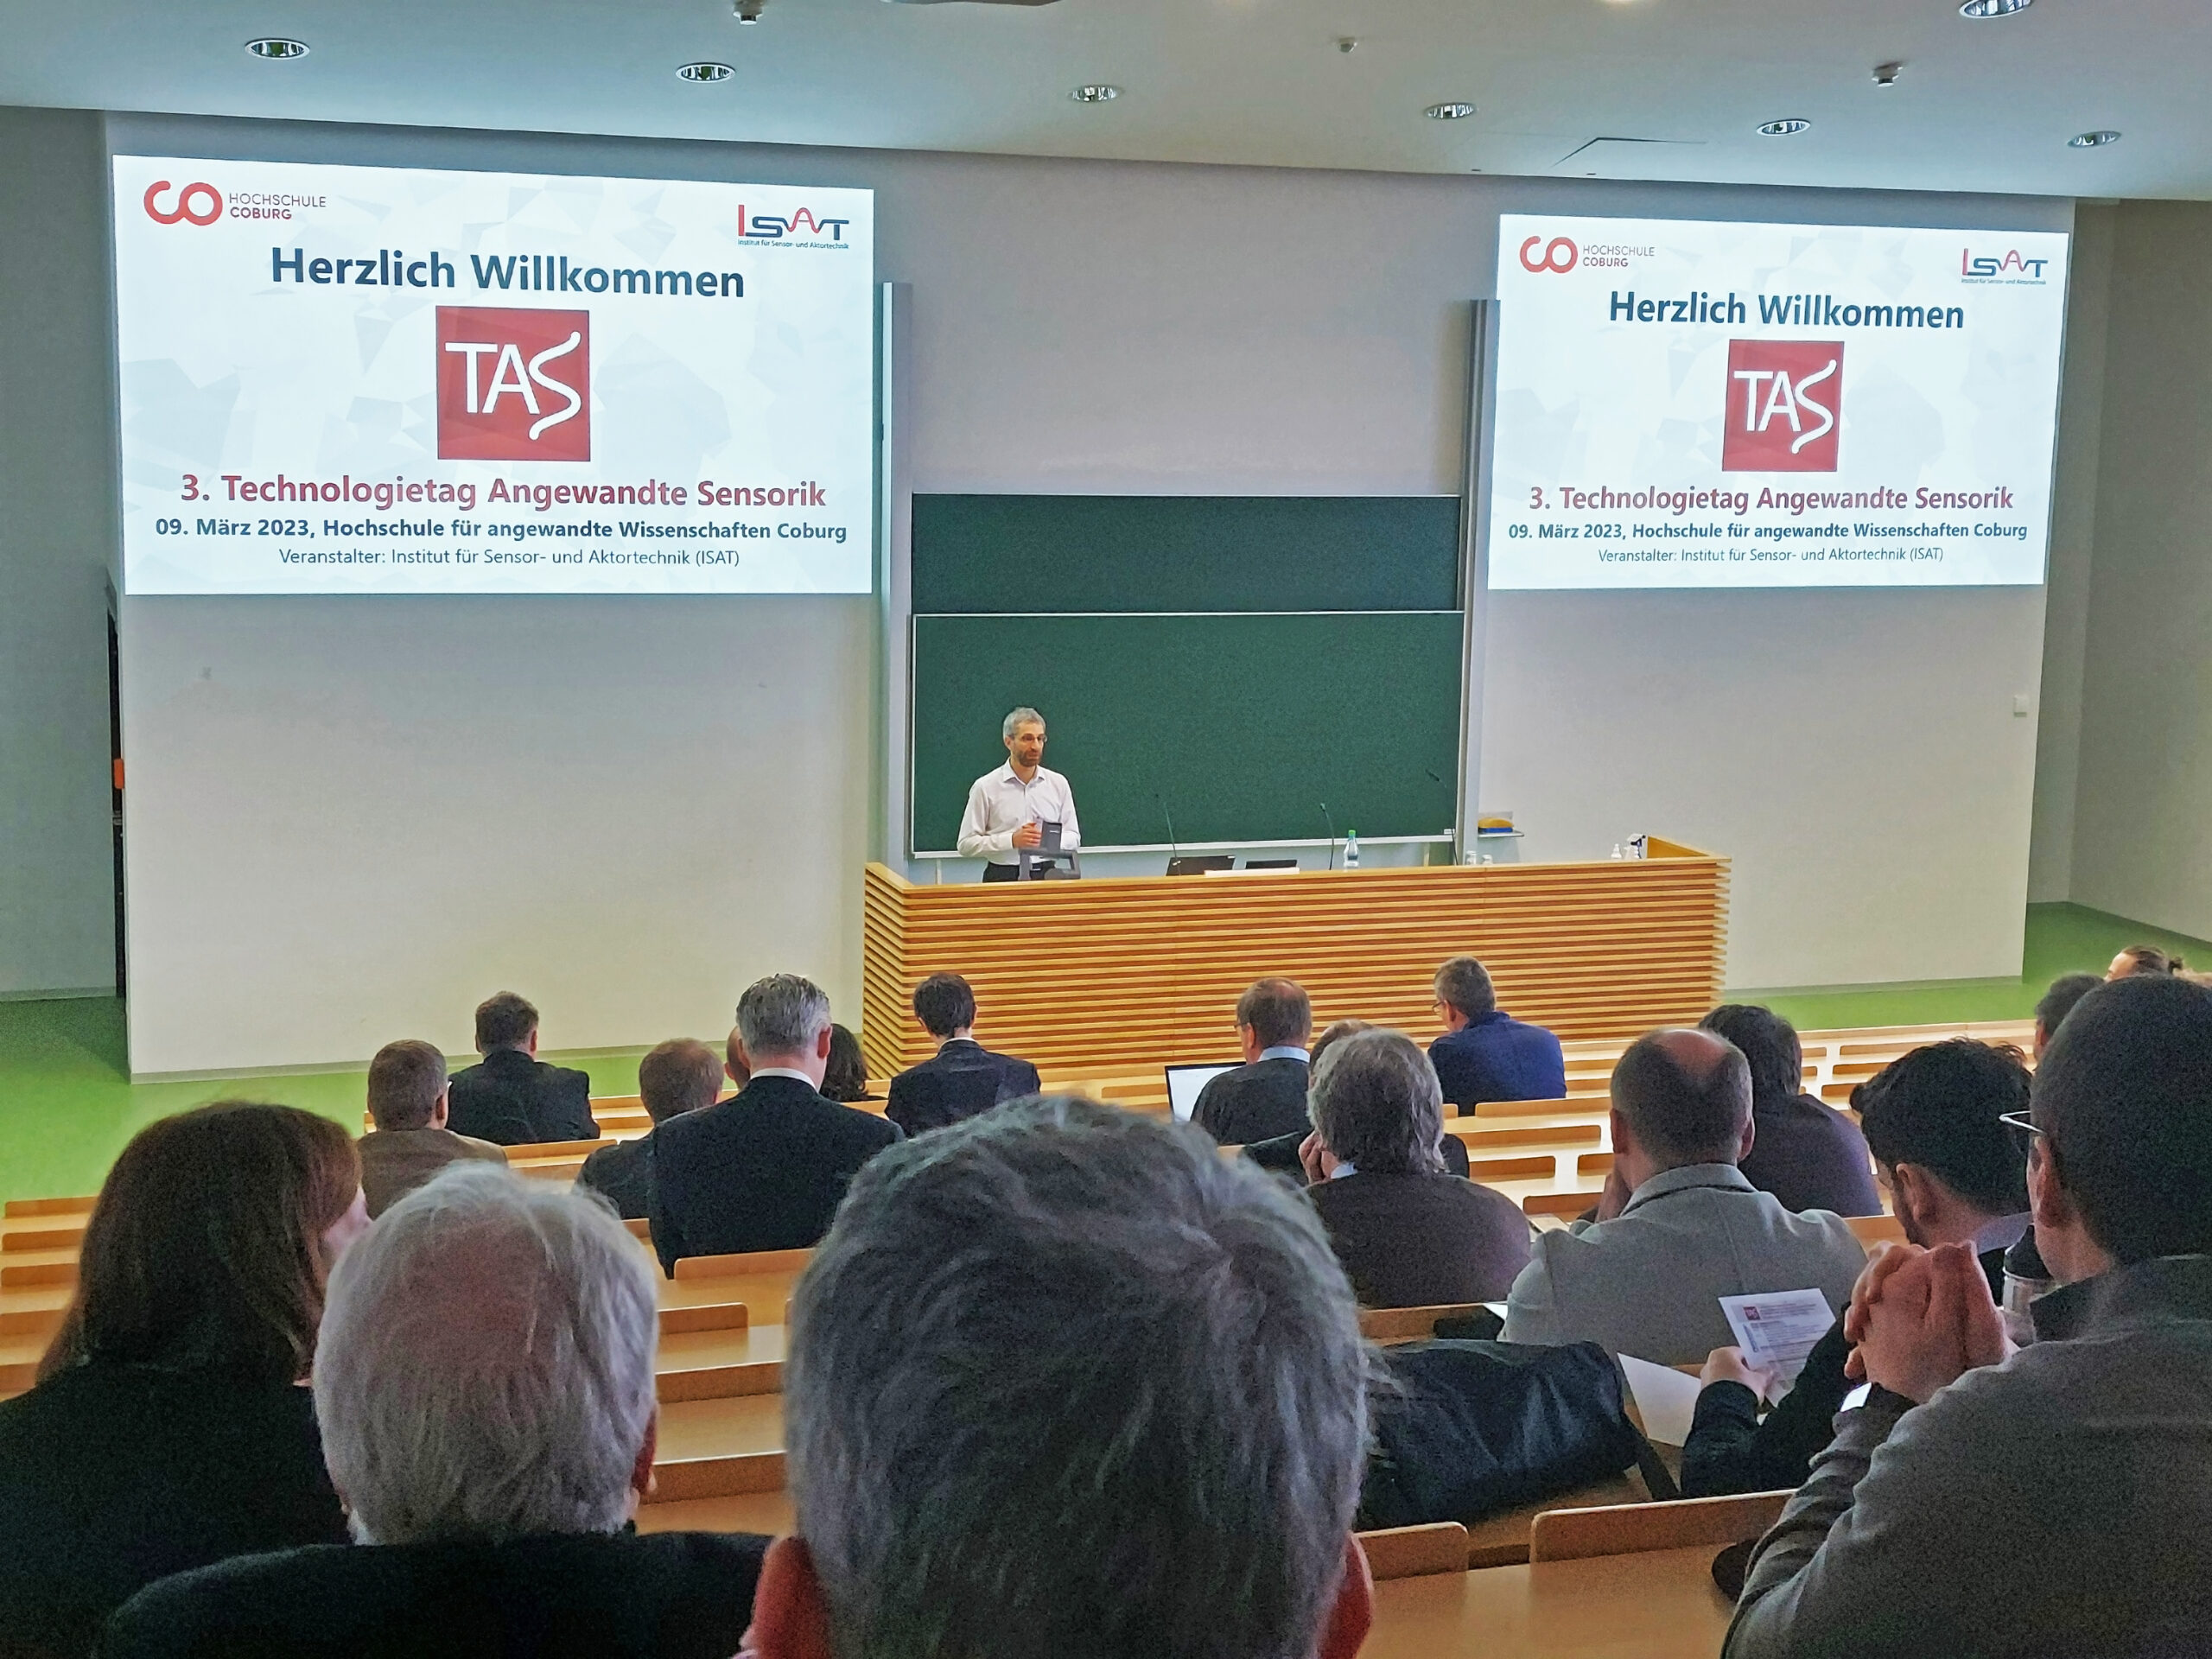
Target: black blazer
(962,1079)
(1255,1102)
(667,1595)
(624,1171)
(114,1476)
(1417,1241)
(513,1100)
(764,1170)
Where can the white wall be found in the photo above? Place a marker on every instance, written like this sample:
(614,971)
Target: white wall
(1074,326)
(57,537)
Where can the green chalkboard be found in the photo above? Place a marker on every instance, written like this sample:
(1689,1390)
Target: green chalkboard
(1066,554)
(1241,724)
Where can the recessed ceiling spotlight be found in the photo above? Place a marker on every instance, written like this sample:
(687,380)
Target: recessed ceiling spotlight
(705,71)
(1982,10)
(2096,140)
(1885,74)
(747,11)
(1348,45)
(1788,126)
(1099,93)
(276,46)
(1455,111)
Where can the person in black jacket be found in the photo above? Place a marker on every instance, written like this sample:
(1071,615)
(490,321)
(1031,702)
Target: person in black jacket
(1803,1151)
(513,1098)
(1956,1176)
(680,1076)
(1265,1097)
(484,1386)
(964,1077)
(765,1169)
(169,1427)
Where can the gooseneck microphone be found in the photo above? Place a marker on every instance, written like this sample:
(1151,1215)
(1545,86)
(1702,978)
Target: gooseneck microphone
(1173,852)
(1332,834)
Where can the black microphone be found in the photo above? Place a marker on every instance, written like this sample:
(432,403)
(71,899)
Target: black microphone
(1332,834)
(1172,853)
(1434,779)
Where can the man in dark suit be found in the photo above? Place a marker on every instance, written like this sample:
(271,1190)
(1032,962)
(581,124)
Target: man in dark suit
(484,1385)
(965,1078)
(1265,1097)
(1484,1054)
(680,1076)
(765,1169)
(513,1098)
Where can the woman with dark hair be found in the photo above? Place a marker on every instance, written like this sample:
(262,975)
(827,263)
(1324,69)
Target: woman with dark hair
(171,1426)
(2145,960)
(845,1078)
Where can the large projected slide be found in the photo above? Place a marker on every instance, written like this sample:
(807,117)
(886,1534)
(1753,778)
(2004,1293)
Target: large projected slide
(382,380)
(1688,404)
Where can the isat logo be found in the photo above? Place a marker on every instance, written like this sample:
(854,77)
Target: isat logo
(1782,399)
(1557,255)
(1995,265)
(514,384)
(195,204)
(773,228)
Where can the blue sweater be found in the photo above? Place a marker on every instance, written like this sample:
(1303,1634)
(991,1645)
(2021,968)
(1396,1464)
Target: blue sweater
(1497,1057)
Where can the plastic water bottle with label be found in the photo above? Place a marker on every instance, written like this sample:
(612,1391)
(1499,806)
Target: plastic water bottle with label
(1352,850)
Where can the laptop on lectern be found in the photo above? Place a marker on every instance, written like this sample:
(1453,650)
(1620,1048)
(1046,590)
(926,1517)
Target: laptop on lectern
(1184,1083)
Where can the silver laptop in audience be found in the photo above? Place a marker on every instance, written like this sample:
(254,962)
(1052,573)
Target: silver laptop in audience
(1184,1083)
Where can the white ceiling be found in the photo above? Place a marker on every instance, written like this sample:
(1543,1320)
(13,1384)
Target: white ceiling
(1979,106)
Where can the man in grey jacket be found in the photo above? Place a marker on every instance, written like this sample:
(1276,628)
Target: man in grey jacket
(1679,1226)
(2057,1500)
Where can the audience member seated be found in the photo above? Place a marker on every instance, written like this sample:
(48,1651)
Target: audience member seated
(766,1168)
(513,1098)
(680,1076)
(2054,1501)
(484,1386)
(1679,1227)
(169,1427)
(2144,960)
(845,1078)
(1064,1381)
(1265,1096)
(1806,1153)
(964,1077)
(1484,1054)
(1408,1234)
(1283,1155)
(410,1142)
(1956,1175)
(2058,1002)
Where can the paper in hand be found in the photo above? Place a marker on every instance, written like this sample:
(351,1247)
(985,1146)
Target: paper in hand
(1779,1328)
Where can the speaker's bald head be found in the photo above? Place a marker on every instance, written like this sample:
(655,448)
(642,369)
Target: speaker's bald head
(1685,1096)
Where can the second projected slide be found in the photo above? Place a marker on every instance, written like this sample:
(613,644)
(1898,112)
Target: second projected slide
(1689,405)
(382,380)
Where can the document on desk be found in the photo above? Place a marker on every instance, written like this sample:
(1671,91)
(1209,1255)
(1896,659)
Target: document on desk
(1779,1328)
(1666,1399)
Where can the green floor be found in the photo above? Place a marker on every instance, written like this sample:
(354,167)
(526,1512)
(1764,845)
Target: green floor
(67,1104)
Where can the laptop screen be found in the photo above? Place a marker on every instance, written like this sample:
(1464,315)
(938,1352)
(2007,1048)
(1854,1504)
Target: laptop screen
(1184,1083)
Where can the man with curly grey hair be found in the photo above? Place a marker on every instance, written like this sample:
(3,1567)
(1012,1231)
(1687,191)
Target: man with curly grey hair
(1065,1383)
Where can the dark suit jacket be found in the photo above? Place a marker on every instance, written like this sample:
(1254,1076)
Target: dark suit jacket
(513,1100)
(669,1595)
(1416,1240)
(1498,1059)
(1811,1157)
(624,1171)
(764,1170)
(1255,1102)
(113,1476)
(962,1079)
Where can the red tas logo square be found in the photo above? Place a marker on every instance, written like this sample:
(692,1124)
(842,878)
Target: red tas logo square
(514,384)
(1782,399)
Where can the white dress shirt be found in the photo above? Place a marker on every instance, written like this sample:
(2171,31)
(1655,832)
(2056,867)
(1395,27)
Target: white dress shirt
(999,803)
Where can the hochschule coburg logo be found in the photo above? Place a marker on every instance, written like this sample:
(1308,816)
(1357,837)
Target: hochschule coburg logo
(514,384)
(194,204)
(1558,256)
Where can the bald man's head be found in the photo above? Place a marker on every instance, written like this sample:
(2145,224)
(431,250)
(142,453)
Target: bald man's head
(1685,1096)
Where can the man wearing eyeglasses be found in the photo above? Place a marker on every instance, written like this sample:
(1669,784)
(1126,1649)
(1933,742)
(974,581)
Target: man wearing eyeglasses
(2057,1499)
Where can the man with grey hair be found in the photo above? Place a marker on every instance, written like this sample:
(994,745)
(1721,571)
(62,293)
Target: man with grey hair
(765,1169)
(1409,1234)
(1064,1381)
(1008,809)
(484,1383)
(1678,1226)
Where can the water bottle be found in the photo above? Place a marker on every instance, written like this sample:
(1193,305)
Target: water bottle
(2025,1278)
(1352,850)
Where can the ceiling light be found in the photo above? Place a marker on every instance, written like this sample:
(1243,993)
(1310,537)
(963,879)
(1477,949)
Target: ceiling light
(276,46)
(2096,140)
(1885,74)
(1788,126)
(1452,111)
(705,71)
(747,11)
(1982,10)
(1098,94)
